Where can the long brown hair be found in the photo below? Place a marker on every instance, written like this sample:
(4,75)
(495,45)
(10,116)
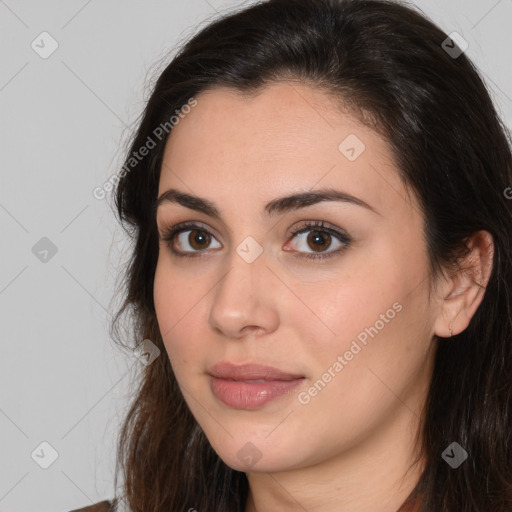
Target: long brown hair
(386,60)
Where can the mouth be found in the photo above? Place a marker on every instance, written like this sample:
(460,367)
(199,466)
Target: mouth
(250,372)
(250,386)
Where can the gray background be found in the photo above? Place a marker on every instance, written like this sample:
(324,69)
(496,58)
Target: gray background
(64,120)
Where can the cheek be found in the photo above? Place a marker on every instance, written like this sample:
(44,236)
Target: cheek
(165,300)
(176,305)
(176,295)
(334,309)
(375,318)
(378,295)
(364,368)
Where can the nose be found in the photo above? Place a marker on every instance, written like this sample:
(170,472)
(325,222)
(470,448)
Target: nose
(245,299)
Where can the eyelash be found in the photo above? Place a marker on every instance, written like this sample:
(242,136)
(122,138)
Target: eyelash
(170,233)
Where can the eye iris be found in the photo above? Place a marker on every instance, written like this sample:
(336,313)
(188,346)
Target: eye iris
(197,237)
(318,238)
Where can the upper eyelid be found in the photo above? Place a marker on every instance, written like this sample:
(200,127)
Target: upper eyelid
(304,209)
(190,224)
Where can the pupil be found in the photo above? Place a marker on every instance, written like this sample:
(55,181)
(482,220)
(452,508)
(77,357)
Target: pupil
(197,239)
(319,239)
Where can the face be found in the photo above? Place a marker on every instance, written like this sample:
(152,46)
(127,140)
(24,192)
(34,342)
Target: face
(331,290)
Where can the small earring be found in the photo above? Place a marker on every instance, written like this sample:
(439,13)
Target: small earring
(450,330)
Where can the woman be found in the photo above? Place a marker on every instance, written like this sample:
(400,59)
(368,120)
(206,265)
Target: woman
(321,271)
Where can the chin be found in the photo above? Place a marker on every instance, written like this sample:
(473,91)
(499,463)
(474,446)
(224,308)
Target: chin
(258,455)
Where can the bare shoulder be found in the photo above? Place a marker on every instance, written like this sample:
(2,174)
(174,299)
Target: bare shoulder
(102,506)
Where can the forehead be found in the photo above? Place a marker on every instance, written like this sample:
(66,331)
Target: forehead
(285,138)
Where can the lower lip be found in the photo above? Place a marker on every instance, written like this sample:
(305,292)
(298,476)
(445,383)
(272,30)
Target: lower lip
(250,395)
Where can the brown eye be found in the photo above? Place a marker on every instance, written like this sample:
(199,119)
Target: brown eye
(199,239)
(313,240)
(319,240)
(190,240)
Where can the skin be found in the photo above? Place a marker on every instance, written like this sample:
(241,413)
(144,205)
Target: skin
(351,446)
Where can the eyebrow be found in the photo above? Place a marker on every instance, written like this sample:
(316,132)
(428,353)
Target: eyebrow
(276,206)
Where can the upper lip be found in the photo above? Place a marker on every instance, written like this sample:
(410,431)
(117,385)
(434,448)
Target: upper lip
(226,370)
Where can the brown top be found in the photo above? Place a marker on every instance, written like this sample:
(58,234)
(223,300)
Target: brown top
(105,506)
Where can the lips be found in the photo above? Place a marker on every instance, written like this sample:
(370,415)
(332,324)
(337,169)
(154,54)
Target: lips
(250,386)
(250,372)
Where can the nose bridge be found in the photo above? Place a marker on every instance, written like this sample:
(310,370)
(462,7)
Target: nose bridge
(241,298)
(247,265)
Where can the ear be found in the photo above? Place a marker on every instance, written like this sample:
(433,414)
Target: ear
(462,293)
